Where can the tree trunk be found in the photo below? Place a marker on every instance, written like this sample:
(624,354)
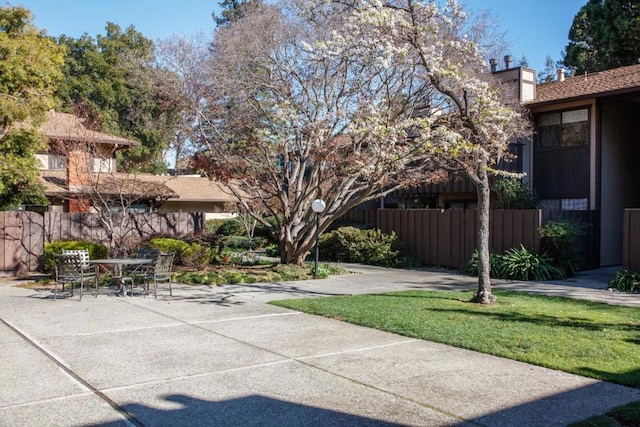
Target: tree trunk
(483,295)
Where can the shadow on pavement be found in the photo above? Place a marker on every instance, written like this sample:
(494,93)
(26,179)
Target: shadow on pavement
(254,410)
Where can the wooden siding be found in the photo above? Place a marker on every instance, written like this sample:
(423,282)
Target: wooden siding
(631,240)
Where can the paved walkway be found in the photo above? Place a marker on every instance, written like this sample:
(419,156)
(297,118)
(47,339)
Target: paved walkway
(222,356)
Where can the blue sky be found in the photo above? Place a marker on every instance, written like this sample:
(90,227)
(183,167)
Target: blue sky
(534,29)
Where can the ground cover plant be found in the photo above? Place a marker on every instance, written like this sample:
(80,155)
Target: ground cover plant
(529,328)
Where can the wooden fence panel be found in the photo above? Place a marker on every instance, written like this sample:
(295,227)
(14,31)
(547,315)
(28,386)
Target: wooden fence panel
(21,241)
(23,234)
(448,237)
(631,242)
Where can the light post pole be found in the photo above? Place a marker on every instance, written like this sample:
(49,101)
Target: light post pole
(318,206)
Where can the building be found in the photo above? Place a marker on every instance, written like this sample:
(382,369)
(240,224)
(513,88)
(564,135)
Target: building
(79,171)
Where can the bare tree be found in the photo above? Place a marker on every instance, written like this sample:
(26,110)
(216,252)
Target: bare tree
(110,196)
(287,124)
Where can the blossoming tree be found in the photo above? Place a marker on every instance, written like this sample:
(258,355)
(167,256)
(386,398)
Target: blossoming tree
(348,100)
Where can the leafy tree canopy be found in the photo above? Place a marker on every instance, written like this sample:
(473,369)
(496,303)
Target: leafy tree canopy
(114,83)
(605,34)
(30,68)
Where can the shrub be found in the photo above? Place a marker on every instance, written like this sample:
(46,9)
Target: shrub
(96,250)
(517,264)
(166,244)
(561,241)
(471,266)
(231,227)
(520,264)
(351,244)
(272,250)
(243,242)
(514,194)
(625,281)
(211,226)
(262,231)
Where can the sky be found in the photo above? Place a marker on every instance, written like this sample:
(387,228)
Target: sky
(534,29)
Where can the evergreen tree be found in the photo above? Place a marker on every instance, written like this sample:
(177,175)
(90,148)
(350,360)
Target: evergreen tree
(605,34)
(30,68)
(232,10)
(113,82)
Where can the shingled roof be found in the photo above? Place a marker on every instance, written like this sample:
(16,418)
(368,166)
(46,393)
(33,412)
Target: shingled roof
(67,127)
(184,188)
(605,83)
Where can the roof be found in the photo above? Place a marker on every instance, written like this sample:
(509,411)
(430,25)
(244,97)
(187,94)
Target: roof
(191,188)
(605,83)
(183,188)
(67,127)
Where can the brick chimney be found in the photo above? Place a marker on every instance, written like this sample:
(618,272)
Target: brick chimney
(78,180)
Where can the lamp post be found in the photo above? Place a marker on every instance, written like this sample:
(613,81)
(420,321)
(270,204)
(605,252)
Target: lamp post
(318,206)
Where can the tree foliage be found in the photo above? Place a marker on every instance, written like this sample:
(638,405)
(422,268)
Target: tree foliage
(349,101)
(604,34)
(114,82)
(30,67)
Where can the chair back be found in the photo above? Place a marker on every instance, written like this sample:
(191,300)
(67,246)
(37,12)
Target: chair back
(82,253)
(148,253)
(68,266)
(164,263)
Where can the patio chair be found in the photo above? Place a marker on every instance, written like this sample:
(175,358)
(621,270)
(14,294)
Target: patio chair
(73,268)
(160,272)
(139,273)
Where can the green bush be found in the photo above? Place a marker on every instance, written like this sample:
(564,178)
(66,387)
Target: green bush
(352,244)
(514,194)
(625,281)
(243,242)
(211,226)
(96,250)
(561,240)
(518,264)
(262,231)
(272,250)
(182,249)
(471,266)
(231,227)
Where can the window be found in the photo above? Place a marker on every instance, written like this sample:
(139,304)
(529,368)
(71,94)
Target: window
(57,162)
(580,204)
(564,129)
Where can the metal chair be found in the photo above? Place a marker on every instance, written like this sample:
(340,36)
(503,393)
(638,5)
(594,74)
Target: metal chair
(161,272)
(140,272)
(72,268)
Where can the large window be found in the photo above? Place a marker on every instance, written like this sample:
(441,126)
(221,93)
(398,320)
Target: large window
(563,129)
(561,158)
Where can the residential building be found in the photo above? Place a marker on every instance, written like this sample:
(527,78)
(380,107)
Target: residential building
(79,171)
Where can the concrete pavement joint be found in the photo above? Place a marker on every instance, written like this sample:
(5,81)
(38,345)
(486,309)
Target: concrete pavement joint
(310,366)
(129,418)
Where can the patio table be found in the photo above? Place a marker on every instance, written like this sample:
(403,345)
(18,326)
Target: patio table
(117,265)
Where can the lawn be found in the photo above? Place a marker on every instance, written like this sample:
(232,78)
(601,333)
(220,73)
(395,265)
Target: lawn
(586,338)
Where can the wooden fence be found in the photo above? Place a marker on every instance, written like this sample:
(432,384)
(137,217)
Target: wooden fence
(631,240)
(23,234)
(448,237)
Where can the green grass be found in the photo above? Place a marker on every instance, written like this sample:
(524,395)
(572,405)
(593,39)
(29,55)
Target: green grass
(586,338)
